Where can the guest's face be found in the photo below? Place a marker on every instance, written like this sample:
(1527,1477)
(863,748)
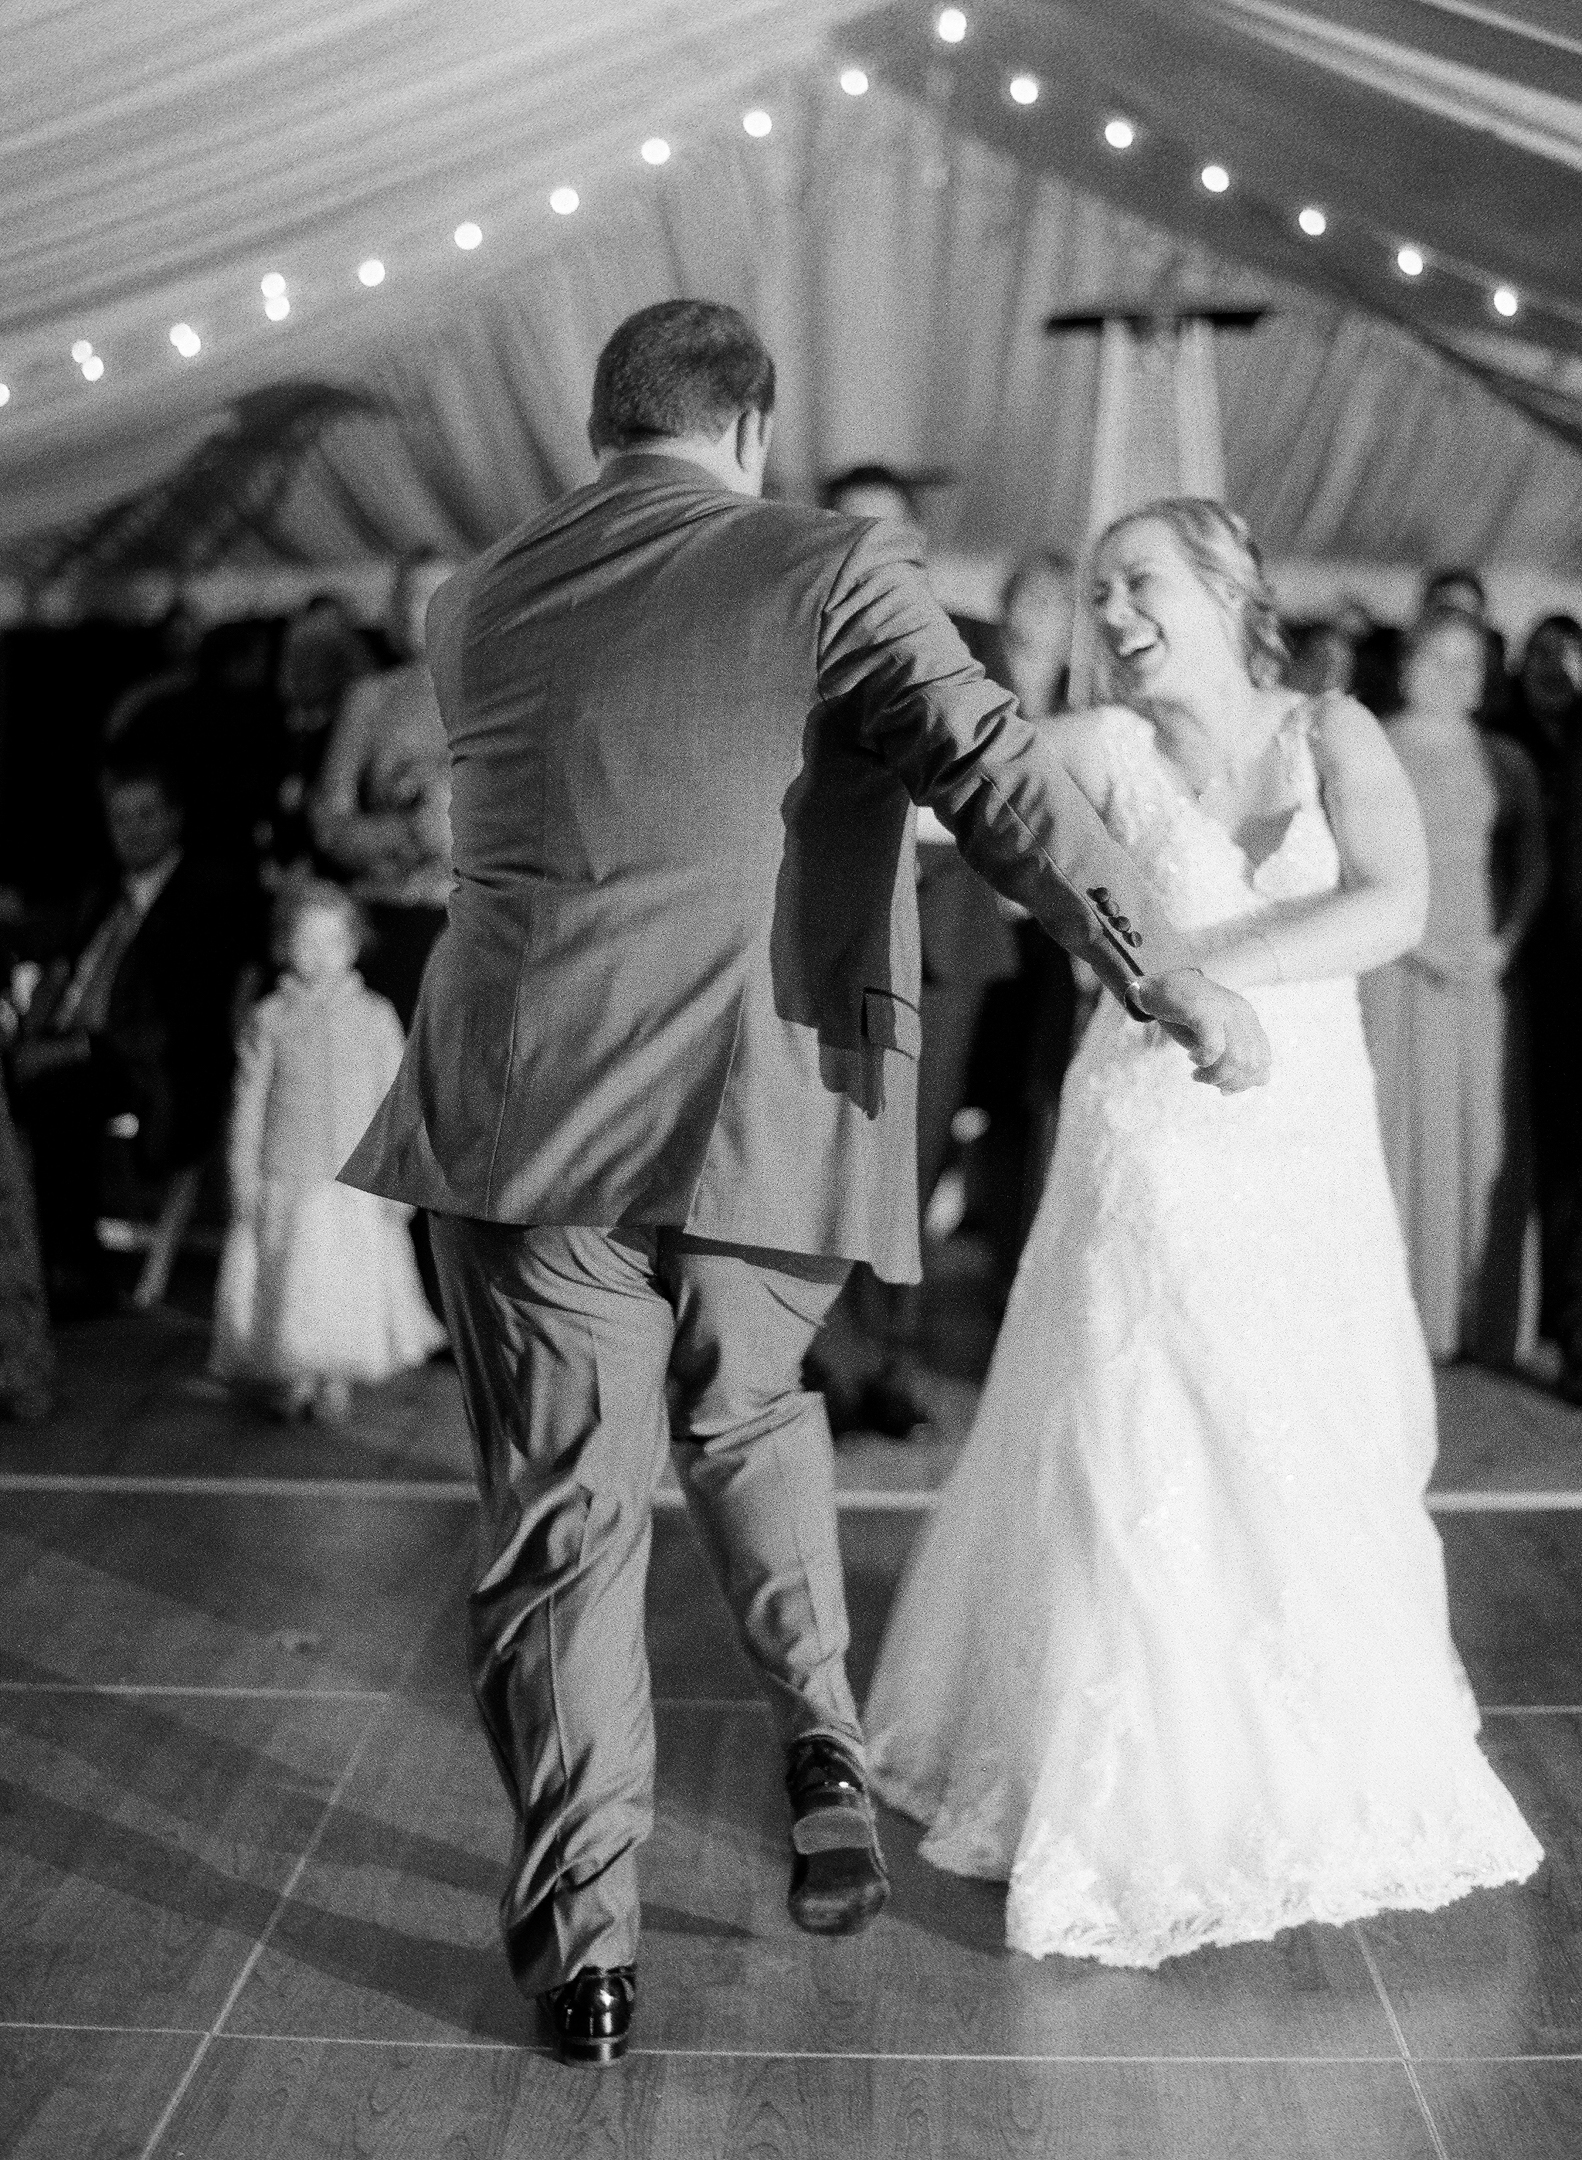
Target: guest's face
(877,499)
(1458,594)
(143,823)
(1039,617)
(1445,674)
(321,947)
(1165,633)
(1552,671)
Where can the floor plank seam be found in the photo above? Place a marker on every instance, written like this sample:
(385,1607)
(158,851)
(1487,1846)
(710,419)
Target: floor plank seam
(250,1963)
(237,2036)
(460,1492)
(163,1688)
(1407,2064)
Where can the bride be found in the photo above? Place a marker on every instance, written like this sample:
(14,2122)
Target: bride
(1172,1658)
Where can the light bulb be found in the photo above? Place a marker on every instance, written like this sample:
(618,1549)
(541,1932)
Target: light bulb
(952,26)
(563,200)
(1313,222)
(372,272)
(186,340)
(5,393)
(277,307)
(656,151)
(272,286)
(854,82)
(1409,261)
(1119,133)
(1024,89)
(81,351)
(1505,301)
(757,122)
(1215,178)
(468,235)
(92,368)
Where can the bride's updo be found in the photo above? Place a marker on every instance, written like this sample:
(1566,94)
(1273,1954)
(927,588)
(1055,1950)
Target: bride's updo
(1224,557)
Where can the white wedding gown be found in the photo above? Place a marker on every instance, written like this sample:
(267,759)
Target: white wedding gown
(1173,1658)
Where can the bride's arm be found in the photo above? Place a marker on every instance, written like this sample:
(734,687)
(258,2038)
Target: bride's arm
(1380,907)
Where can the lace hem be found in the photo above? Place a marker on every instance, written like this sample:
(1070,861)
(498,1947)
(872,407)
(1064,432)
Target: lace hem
(1090,1927)
(1058,1906)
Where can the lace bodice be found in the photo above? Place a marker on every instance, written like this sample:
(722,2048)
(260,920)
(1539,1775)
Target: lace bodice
(1203,876)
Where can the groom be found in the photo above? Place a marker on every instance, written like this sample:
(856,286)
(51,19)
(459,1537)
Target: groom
(661,1087)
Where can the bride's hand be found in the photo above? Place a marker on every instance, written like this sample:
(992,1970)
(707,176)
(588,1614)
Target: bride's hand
(1219,1031)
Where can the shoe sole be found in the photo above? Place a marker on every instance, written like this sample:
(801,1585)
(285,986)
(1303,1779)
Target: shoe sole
(839,1915)
(592,2054)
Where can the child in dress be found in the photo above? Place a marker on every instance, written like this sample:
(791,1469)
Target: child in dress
(318,1284)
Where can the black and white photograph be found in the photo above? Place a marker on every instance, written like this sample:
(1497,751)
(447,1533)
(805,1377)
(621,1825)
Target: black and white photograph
(791,1080)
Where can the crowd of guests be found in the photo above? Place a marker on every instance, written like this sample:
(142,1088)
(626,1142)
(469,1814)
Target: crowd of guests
(227,1002)
(231,995)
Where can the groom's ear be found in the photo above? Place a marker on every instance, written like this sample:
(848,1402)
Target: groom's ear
(753,429)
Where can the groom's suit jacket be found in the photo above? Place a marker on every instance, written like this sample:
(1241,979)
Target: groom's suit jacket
(679,983)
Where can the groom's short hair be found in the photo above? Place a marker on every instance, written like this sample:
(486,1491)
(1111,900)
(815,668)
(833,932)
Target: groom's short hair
(683,367)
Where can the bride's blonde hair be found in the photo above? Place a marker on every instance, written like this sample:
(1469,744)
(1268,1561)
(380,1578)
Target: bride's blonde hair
(1224,558)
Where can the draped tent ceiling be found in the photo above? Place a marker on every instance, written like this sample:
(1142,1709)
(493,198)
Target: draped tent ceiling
(900,250)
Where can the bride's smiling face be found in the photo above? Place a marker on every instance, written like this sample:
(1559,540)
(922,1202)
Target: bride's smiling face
(1164,632)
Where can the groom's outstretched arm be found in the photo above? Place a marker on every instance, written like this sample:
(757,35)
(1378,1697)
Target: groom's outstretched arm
(959,744)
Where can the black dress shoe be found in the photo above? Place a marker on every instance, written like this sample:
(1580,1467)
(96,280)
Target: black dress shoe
(838,1882)
(592,2013)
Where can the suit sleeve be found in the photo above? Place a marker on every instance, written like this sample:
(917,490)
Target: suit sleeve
(959,744)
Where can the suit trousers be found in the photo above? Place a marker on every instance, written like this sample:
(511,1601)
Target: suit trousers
(583,1354)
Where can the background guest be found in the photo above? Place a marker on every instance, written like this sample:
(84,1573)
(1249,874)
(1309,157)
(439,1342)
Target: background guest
(322,656)
(1546,719)
(1030,1023)
(27,1357)
(967,945)
(1443,1025)
(1324,657)
(318,1286)
(1456,590)
(134,1023)
(380,813)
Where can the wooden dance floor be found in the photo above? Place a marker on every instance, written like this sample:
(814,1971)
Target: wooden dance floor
(250,1844)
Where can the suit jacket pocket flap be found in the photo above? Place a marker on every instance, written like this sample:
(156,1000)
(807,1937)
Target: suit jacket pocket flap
(889,1023)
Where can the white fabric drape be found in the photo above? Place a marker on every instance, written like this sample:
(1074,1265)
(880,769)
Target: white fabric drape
(901,252)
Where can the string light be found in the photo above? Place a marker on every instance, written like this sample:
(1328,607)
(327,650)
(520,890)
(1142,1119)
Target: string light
(1119,133)
(5,393)
(951,26)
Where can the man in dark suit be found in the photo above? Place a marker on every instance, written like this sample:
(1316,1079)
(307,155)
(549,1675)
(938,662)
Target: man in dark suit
(660,1091)
(134,1025)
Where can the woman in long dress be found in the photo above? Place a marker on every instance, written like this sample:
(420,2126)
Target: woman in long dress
(1444,1023)
(1173,1658)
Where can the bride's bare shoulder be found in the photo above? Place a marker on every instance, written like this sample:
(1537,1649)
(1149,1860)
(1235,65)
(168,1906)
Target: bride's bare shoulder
(1084,741)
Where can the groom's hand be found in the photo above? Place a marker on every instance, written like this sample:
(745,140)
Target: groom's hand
(1219,1031)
